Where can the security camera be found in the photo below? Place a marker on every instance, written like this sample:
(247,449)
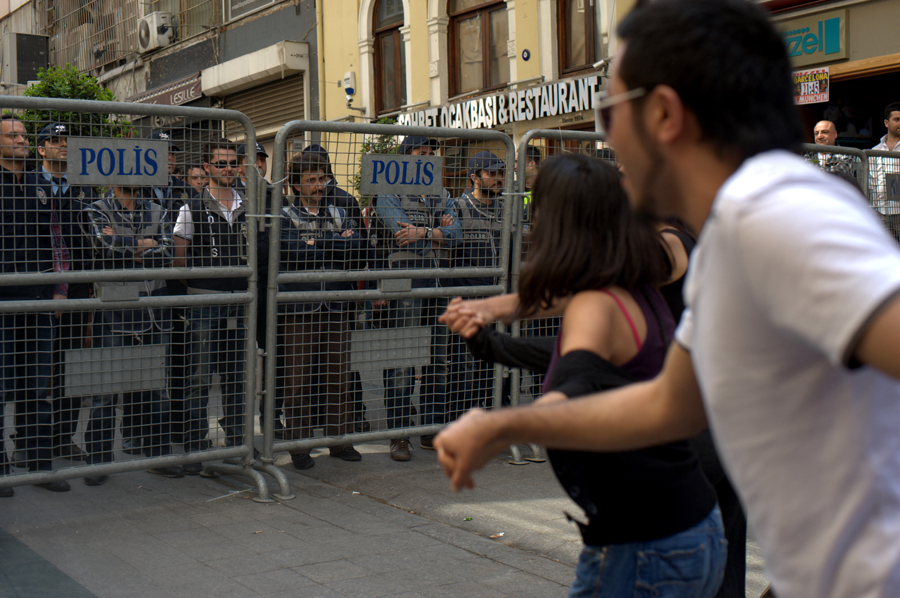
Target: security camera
(601,63)
(349,99)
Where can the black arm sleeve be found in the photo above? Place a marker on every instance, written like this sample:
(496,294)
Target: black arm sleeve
(530,353)
(580,373)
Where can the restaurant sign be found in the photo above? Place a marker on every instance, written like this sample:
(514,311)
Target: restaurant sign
(485,112)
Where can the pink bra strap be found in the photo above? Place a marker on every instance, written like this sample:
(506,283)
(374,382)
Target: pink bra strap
(634,331)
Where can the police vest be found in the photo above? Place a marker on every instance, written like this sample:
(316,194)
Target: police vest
(132,320)
(480,245)
(216,243)
(422,212)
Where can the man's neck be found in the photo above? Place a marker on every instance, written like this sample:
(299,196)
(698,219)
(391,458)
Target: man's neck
(311,205)
(890,141)
(127,202)
(482,197)
(17,167)
(700,175)
(56,169)
(222,194)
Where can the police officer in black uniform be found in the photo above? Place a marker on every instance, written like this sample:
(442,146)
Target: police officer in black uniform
(67,203)
(130,232)
(263,270)
(171,197)
(26,339)
(479,210)
(419,230)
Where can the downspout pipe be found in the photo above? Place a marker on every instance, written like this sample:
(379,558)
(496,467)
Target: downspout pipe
(320,58)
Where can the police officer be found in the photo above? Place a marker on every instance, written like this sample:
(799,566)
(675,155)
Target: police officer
(171,197)
(175,192)
(211,232)
(479,210)
(317,236)
(262,309)
(130,232)
(26,339)
(419,228)
(67,203)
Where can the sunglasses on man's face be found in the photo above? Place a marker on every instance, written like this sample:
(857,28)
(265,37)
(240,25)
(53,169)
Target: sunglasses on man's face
(607,102)
(224,164)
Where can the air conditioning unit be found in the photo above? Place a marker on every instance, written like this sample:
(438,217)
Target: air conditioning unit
(23,56)
(155,31)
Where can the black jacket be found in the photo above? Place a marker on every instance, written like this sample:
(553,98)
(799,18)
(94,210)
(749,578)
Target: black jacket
(70,204)
(25,237)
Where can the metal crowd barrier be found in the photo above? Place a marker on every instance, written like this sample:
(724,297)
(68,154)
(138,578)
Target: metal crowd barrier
(883,187)
(378,366)
(117,371)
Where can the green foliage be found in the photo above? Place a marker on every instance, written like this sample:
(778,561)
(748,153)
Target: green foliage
(67,82)
(376,144)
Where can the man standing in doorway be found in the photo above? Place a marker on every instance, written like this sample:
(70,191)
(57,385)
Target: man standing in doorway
(884,172)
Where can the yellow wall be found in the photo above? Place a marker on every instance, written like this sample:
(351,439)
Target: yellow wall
(527,37)
(417,69)
(341,52)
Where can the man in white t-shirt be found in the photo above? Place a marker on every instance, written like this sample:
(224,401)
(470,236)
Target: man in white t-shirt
(791,340)
(211,232)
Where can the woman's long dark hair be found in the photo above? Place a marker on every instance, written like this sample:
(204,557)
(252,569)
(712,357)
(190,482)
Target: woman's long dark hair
(585,235)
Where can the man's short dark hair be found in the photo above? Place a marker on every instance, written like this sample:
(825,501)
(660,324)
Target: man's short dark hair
(307,162)
(534,154)
(726,62)
(221,144)
(9,116)
(892,107)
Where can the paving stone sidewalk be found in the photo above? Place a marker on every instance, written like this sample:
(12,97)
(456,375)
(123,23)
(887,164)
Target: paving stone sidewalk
(368,529)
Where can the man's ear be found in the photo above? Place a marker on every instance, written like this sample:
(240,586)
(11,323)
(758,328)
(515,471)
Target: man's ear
(666,117)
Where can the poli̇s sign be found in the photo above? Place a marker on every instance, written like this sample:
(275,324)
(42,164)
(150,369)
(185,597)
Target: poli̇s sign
(391,174)
(126,162)
(815,38)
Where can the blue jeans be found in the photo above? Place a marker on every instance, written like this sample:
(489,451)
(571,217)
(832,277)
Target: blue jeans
(399,383)
(149,408)
(689,564)
(26,358)
(215,340)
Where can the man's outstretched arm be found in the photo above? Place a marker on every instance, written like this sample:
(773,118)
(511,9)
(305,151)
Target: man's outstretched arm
(667,408)
(879,342)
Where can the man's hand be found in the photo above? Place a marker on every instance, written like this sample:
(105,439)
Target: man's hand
(108,231)
(447,220)
(58,297)
(408,233)
(347,233)
(466,445)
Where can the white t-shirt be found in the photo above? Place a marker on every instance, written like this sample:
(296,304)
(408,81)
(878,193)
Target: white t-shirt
(184,225)
(789,269)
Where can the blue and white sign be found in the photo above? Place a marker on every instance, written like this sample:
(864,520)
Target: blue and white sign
(126,162)
(391,174)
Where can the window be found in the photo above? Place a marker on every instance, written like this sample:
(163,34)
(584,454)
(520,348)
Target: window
(479,32)
(583,33)
(390,57)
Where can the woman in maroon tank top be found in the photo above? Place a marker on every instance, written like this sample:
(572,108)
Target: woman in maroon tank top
(652,521)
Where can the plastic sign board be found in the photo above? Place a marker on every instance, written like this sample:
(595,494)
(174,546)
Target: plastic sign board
(816,38)
(523,105)
(393,174)
(811,86)
(127,162)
